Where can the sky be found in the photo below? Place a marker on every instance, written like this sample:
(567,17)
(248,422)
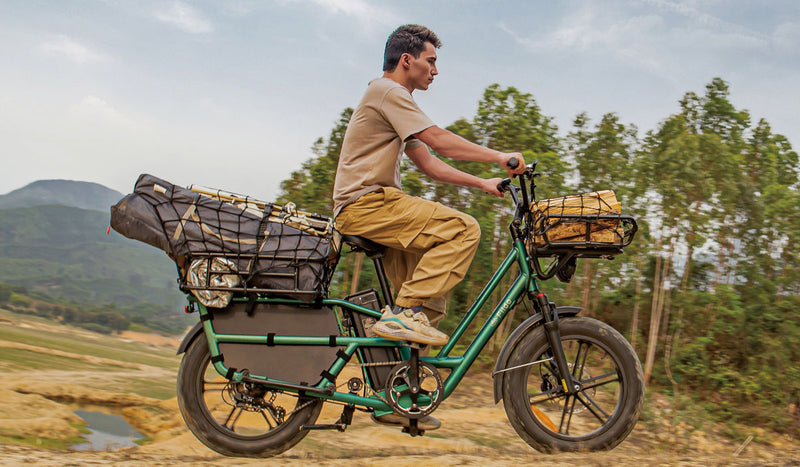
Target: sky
(232,94)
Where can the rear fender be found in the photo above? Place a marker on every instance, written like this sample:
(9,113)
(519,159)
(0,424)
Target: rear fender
(190,336)
(522,330)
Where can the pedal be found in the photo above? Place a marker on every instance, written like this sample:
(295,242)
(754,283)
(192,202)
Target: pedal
(416,345)
(413,429)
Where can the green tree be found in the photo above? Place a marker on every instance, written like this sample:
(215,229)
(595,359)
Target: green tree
(506,120)
(311,187)
(692,173)
(603,158)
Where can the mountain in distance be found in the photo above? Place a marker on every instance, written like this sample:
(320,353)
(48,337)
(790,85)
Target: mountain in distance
(83,195)
(53,242)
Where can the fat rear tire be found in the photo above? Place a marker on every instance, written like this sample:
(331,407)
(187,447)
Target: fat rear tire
(196,393)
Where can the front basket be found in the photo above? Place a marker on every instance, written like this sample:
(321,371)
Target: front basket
(584,225)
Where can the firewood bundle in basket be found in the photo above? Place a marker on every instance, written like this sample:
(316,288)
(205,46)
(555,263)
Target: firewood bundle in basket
(586,218)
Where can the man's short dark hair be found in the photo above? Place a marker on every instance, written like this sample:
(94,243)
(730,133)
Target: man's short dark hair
(410,39)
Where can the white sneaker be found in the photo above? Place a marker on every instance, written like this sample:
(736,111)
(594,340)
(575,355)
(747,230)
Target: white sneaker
(408,325)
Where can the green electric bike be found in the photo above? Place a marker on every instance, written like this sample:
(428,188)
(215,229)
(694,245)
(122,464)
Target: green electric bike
(258,366)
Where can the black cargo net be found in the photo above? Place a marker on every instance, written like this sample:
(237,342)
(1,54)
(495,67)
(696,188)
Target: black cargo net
(225,243)
(588,221)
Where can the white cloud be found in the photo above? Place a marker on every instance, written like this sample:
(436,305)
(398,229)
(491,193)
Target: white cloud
(94,112)
(786,38)
(668,37)
(591,31)
(185,18)
(361,10)
(724,32)
(64,46)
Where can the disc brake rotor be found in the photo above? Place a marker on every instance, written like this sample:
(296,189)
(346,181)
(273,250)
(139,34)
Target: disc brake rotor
(548,385)
(251,398)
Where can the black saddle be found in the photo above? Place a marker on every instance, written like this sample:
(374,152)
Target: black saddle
(370,248)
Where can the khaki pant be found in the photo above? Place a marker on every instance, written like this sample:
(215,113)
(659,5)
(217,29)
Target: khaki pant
(430,246)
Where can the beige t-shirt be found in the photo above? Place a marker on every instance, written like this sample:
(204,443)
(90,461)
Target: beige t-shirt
(379,131)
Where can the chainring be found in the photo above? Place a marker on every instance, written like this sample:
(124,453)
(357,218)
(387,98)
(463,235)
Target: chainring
(414,401)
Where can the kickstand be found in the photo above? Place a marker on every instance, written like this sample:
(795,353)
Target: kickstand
(344,420)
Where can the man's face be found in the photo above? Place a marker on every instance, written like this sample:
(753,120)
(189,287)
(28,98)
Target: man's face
(423,69)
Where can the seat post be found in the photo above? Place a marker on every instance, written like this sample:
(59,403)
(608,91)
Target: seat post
(375,252)
(386,289)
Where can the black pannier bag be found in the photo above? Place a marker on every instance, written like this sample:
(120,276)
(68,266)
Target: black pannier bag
(224,243)
(291,363)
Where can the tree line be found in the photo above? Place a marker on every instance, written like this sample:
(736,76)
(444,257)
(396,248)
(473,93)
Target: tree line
(709,291)
(106,318)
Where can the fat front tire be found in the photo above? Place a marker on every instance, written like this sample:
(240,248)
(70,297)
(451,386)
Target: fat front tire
(603,411)
(239,419)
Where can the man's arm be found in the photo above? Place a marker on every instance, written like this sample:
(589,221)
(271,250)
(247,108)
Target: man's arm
(440,171)
(455,147)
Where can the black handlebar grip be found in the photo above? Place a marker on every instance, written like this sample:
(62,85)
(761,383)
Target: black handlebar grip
(512,163)
(503,185)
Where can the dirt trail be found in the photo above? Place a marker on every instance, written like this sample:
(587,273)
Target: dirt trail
(475,431)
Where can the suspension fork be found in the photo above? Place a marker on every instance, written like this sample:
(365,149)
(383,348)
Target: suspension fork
(553,334)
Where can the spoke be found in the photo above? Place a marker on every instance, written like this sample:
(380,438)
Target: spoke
(263,414)
(580,359)
(213,409)
(213,389)
(547,396)
(236,419)
(214,383)
(228,418)
(591,406)
(566,414)
(598,381)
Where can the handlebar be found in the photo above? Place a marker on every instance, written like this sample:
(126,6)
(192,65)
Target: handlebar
(503,185)
(522,228)
(512,163)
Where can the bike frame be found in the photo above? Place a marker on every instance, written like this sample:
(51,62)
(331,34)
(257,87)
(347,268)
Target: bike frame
(525,283)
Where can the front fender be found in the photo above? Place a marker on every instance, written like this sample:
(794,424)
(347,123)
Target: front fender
(189,337)
(522,330)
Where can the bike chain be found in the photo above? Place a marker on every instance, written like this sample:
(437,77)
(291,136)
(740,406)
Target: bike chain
(378,396)
(363,365)
(379,363)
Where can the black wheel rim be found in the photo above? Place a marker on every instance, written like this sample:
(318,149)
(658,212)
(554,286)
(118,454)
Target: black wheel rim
(243,410)
(597,404)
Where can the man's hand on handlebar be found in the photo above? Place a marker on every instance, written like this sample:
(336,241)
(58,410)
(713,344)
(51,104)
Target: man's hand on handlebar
(491,186)
(510,165)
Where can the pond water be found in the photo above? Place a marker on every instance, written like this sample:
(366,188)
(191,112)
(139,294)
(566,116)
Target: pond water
(108,432)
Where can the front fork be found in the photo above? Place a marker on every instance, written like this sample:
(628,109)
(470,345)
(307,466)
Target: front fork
(553,334)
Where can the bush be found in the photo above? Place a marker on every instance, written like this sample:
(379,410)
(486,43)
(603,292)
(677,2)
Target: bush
(94,327)
(20,301)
